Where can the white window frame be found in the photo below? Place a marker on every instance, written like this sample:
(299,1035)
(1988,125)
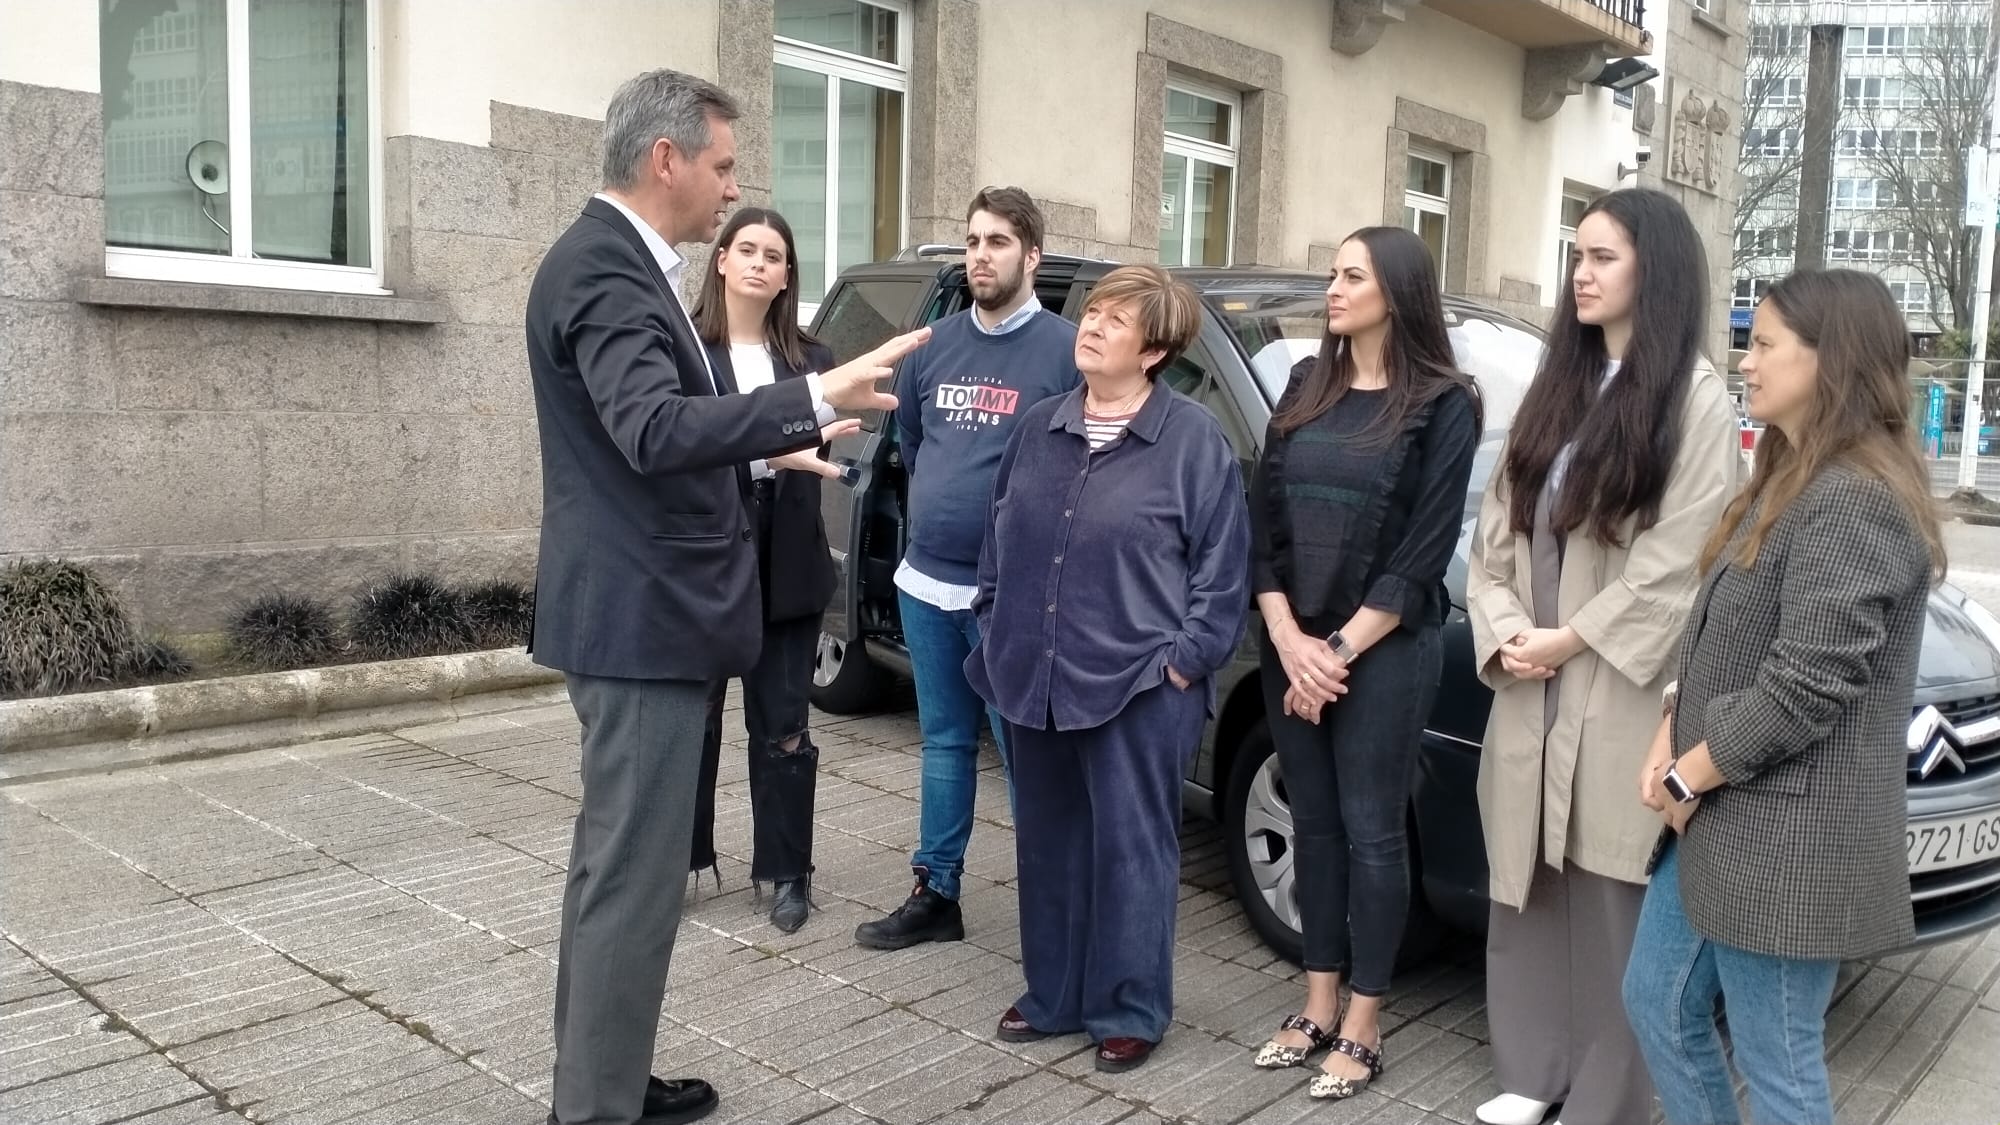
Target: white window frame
(842,66)
(1757,286)
(1565,234)
(1207,152)
(238,267)
(1424,203)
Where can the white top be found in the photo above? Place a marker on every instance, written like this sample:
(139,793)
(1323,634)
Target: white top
(754,369)
(753,364)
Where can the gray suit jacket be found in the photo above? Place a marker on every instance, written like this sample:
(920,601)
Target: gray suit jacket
(1799,674)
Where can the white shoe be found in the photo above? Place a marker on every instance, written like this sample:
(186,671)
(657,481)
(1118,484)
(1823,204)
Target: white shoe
(1512,1109)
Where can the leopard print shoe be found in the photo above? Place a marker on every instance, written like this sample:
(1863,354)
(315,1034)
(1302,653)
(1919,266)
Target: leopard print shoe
(1277,1056)
(1334,1087)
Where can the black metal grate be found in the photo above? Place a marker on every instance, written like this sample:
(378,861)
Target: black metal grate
(1631,11)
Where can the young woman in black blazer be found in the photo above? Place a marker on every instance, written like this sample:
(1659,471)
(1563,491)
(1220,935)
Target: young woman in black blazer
(748,319)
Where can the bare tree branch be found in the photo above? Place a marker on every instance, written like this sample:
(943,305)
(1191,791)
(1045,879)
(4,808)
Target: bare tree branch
(1771,156)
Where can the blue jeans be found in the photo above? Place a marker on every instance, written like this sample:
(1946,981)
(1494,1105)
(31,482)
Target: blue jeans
(948,712)
(1776,1010)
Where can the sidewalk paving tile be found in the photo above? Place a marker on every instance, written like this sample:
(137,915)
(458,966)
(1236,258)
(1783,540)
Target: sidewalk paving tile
(364,930)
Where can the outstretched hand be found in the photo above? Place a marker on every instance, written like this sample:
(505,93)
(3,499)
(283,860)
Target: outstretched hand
(851,386)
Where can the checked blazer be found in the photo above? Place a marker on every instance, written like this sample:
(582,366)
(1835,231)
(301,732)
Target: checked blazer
(1799,674)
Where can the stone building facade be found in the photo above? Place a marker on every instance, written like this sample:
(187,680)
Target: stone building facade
(208,425)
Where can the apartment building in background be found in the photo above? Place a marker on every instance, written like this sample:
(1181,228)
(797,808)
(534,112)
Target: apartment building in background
(263,262)
(1912,97)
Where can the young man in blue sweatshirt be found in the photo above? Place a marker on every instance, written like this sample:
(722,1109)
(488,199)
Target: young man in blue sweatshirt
(958,402)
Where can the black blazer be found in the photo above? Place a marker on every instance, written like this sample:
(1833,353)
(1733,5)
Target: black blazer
(799,576)
(647,567)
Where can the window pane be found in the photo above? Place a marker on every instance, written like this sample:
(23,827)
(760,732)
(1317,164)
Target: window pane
(1573,209)
(841,25)
(1204,119)
(1208,211)
(166,89)
(1426,176)
(798,169)
(871,174)
(1173,208)
(1429,226)
(309,130)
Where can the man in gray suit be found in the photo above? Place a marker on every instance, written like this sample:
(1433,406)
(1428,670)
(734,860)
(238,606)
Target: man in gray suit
(647,588)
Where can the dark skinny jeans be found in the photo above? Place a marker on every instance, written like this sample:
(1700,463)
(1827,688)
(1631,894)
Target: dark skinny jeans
(1348,781)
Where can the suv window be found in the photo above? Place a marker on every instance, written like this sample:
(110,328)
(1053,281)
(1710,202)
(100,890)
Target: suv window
(1193,374)
(861,315)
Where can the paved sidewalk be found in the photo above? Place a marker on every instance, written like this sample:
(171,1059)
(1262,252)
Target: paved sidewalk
(364,931)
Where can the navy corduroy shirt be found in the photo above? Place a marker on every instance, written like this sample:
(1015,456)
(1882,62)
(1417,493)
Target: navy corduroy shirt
(1100,570)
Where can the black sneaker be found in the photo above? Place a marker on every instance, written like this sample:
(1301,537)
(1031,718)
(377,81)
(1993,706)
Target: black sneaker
(925,916)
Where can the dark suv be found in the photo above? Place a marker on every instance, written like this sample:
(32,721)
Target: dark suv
(1258,323)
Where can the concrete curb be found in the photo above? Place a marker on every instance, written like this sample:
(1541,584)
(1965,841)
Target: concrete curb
(96,731)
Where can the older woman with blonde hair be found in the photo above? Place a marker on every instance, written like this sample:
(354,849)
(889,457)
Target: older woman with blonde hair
(1113,585)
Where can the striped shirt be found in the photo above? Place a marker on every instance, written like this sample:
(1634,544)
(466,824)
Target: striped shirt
(1105,428)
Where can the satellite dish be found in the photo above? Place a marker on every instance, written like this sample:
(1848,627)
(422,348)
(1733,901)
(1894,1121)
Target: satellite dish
(208,167)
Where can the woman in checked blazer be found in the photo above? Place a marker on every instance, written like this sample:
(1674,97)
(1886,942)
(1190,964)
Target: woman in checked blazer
(1779,767)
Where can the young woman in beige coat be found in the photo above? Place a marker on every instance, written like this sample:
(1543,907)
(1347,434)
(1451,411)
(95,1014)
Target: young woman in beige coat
(1621,459)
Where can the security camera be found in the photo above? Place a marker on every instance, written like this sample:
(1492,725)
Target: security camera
(1644,156)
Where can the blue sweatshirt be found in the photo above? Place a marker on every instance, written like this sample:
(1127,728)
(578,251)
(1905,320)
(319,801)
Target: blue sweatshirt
(960,398)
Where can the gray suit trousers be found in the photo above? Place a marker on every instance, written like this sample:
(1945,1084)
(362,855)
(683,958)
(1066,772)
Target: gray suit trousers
(642,744)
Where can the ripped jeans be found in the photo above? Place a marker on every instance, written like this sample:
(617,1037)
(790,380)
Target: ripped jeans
(776,703)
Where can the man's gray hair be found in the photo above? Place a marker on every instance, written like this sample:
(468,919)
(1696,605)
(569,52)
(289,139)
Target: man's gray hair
(659,103)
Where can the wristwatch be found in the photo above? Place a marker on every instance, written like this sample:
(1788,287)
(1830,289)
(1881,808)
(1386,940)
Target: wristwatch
(1341,648)
(1676,788)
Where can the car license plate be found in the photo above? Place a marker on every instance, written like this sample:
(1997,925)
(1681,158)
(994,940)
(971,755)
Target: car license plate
(1939,845)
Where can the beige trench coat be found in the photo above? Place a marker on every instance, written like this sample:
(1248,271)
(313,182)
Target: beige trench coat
(1580,787)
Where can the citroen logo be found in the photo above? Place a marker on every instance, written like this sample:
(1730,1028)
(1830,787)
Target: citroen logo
(1934,742)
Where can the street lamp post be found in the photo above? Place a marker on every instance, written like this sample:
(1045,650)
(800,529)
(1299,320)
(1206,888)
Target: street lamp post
(1982,186)
(1826,40)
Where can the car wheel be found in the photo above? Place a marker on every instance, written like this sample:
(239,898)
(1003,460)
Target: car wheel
(845,681)
(1257,834)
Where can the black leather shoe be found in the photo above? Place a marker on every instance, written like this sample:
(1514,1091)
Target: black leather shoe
(790,903)
(925,916)
(673,1101)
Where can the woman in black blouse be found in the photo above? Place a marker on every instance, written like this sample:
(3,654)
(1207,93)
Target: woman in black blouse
(1355,508)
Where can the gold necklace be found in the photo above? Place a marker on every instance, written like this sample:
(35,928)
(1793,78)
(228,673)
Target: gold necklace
(1123,406)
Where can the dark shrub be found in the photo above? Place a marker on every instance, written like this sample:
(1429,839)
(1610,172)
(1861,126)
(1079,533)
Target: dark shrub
(282,632)
(154,659)
(408,615)
(61,629)
(499,613)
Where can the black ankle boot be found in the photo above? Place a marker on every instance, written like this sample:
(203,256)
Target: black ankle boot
(790,902)
(925,916)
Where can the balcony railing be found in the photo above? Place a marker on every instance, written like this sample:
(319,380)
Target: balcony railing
(1536,24)
(1630,11)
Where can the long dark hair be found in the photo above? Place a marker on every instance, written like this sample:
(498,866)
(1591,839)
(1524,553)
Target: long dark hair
(1627,436)
(1416,353)
(1859,413)
(781,321)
